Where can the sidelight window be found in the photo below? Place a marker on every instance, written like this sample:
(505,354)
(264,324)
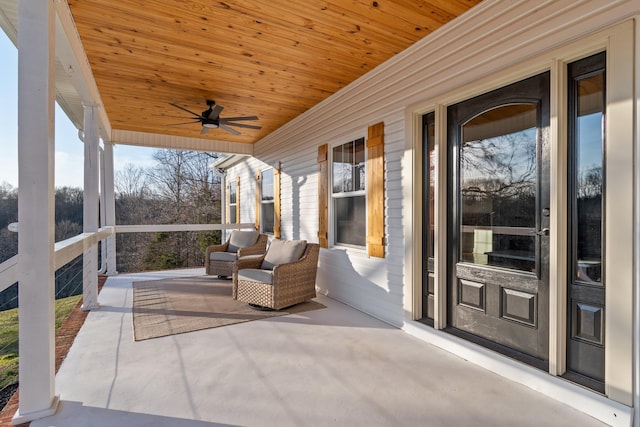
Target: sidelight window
(586,294)
(587,176)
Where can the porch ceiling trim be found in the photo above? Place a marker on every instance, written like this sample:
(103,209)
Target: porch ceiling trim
(227,161)
(71,55)
(9,26)
(155,140)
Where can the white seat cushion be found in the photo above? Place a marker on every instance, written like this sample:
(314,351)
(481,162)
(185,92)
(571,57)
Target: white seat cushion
(283,252)
(223,256)
(256,275)
(242,239)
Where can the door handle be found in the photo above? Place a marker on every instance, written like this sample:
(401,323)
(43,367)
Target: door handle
(543,232)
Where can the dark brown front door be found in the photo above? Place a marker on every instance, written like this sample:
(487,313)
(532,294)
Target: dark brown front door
(498,292)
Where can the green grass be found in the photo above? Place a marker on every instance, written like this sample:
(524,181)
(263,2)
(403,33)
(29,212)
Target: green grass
(9,337)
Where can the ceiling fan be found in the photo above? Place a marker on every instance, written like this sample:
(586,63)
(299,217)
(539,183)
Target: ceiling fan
(211,119)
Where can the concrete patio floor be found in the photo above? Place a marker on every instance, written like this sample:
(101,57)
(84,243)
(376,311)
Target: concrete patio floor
(330,367)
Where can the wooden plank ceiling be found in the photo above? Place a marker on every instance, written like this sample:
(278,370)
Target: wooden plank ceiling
(270,58)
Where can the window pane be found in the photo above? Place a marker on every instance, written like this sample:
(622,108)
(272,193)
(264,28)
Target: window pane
(358,169)
(267,185)
(589,166)
(350,220)
(342,168)
(266,215)
(232,192)
(232,214)
(498,169)
(430,171)
(349,167)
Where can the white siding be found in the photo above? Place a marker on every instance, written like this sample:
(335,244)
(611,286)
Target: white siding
(494,36)
(247,173)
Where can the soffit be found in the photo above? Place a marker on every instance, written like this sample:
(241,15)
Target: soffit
(274,58)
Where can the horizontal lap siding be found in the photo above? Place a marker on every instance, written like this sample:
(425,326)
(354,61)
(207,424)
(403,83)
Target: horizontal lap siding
(247,172)
(494,36)
(369,284)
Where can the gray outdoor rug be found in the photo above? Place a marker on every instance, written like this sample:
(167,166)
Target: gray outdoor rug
(178,305)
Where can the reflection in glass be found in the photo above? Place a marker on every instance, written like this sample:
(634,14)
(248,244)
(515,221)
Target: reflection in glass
(348,167)
(267,218)
(498,176)
(430,129)
(266,202)
(232,203)
(588,177)
(350,220)
(232,192)
(350,214)
(267,185)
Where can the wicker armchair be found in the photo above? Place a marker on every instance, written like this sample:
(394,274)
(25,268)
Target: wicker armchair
(220,259)
(260,283)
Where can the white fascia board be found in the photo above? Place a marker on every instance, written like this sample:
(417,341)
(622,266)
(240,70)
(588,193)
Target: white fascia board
(228,160)
(155,140)
(9,27)
(71,54)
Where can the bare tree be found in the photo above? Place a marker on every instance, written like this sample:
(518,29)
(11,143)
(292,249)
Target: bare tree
(590,182)
(131,181)
(180,188)
(190,193)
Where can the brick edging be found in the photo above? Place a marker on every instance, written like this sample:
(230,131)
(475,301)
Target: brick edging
(64,338)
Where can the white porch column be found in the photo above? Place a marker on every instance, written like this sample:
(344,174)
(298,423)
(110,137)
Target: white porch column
(36,270)
(110,206)
(90,208)
(223,205)
(636,240)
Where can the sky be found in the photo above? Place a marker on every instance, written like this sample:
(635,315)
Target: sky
(69,150)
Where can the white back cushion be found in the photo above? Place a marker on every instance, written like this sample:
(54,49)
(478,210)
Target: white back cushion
(242,239)
(283,252)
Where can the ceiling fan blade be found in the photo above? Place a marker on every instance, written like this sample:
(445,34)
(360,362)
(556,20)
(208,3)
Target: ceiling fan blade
(183,123)
(204,130)
(215,112)
(184,109)
(238,119)
(228,129)
(171,117)
(241,125)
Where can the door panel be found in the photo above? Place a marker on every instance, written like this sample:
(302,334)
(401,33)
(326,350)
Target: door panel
(499,209)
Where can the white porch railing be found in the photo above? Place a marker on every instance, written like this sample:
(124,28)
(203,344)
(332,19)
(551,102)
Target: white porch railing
(8,273)
(67,250)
